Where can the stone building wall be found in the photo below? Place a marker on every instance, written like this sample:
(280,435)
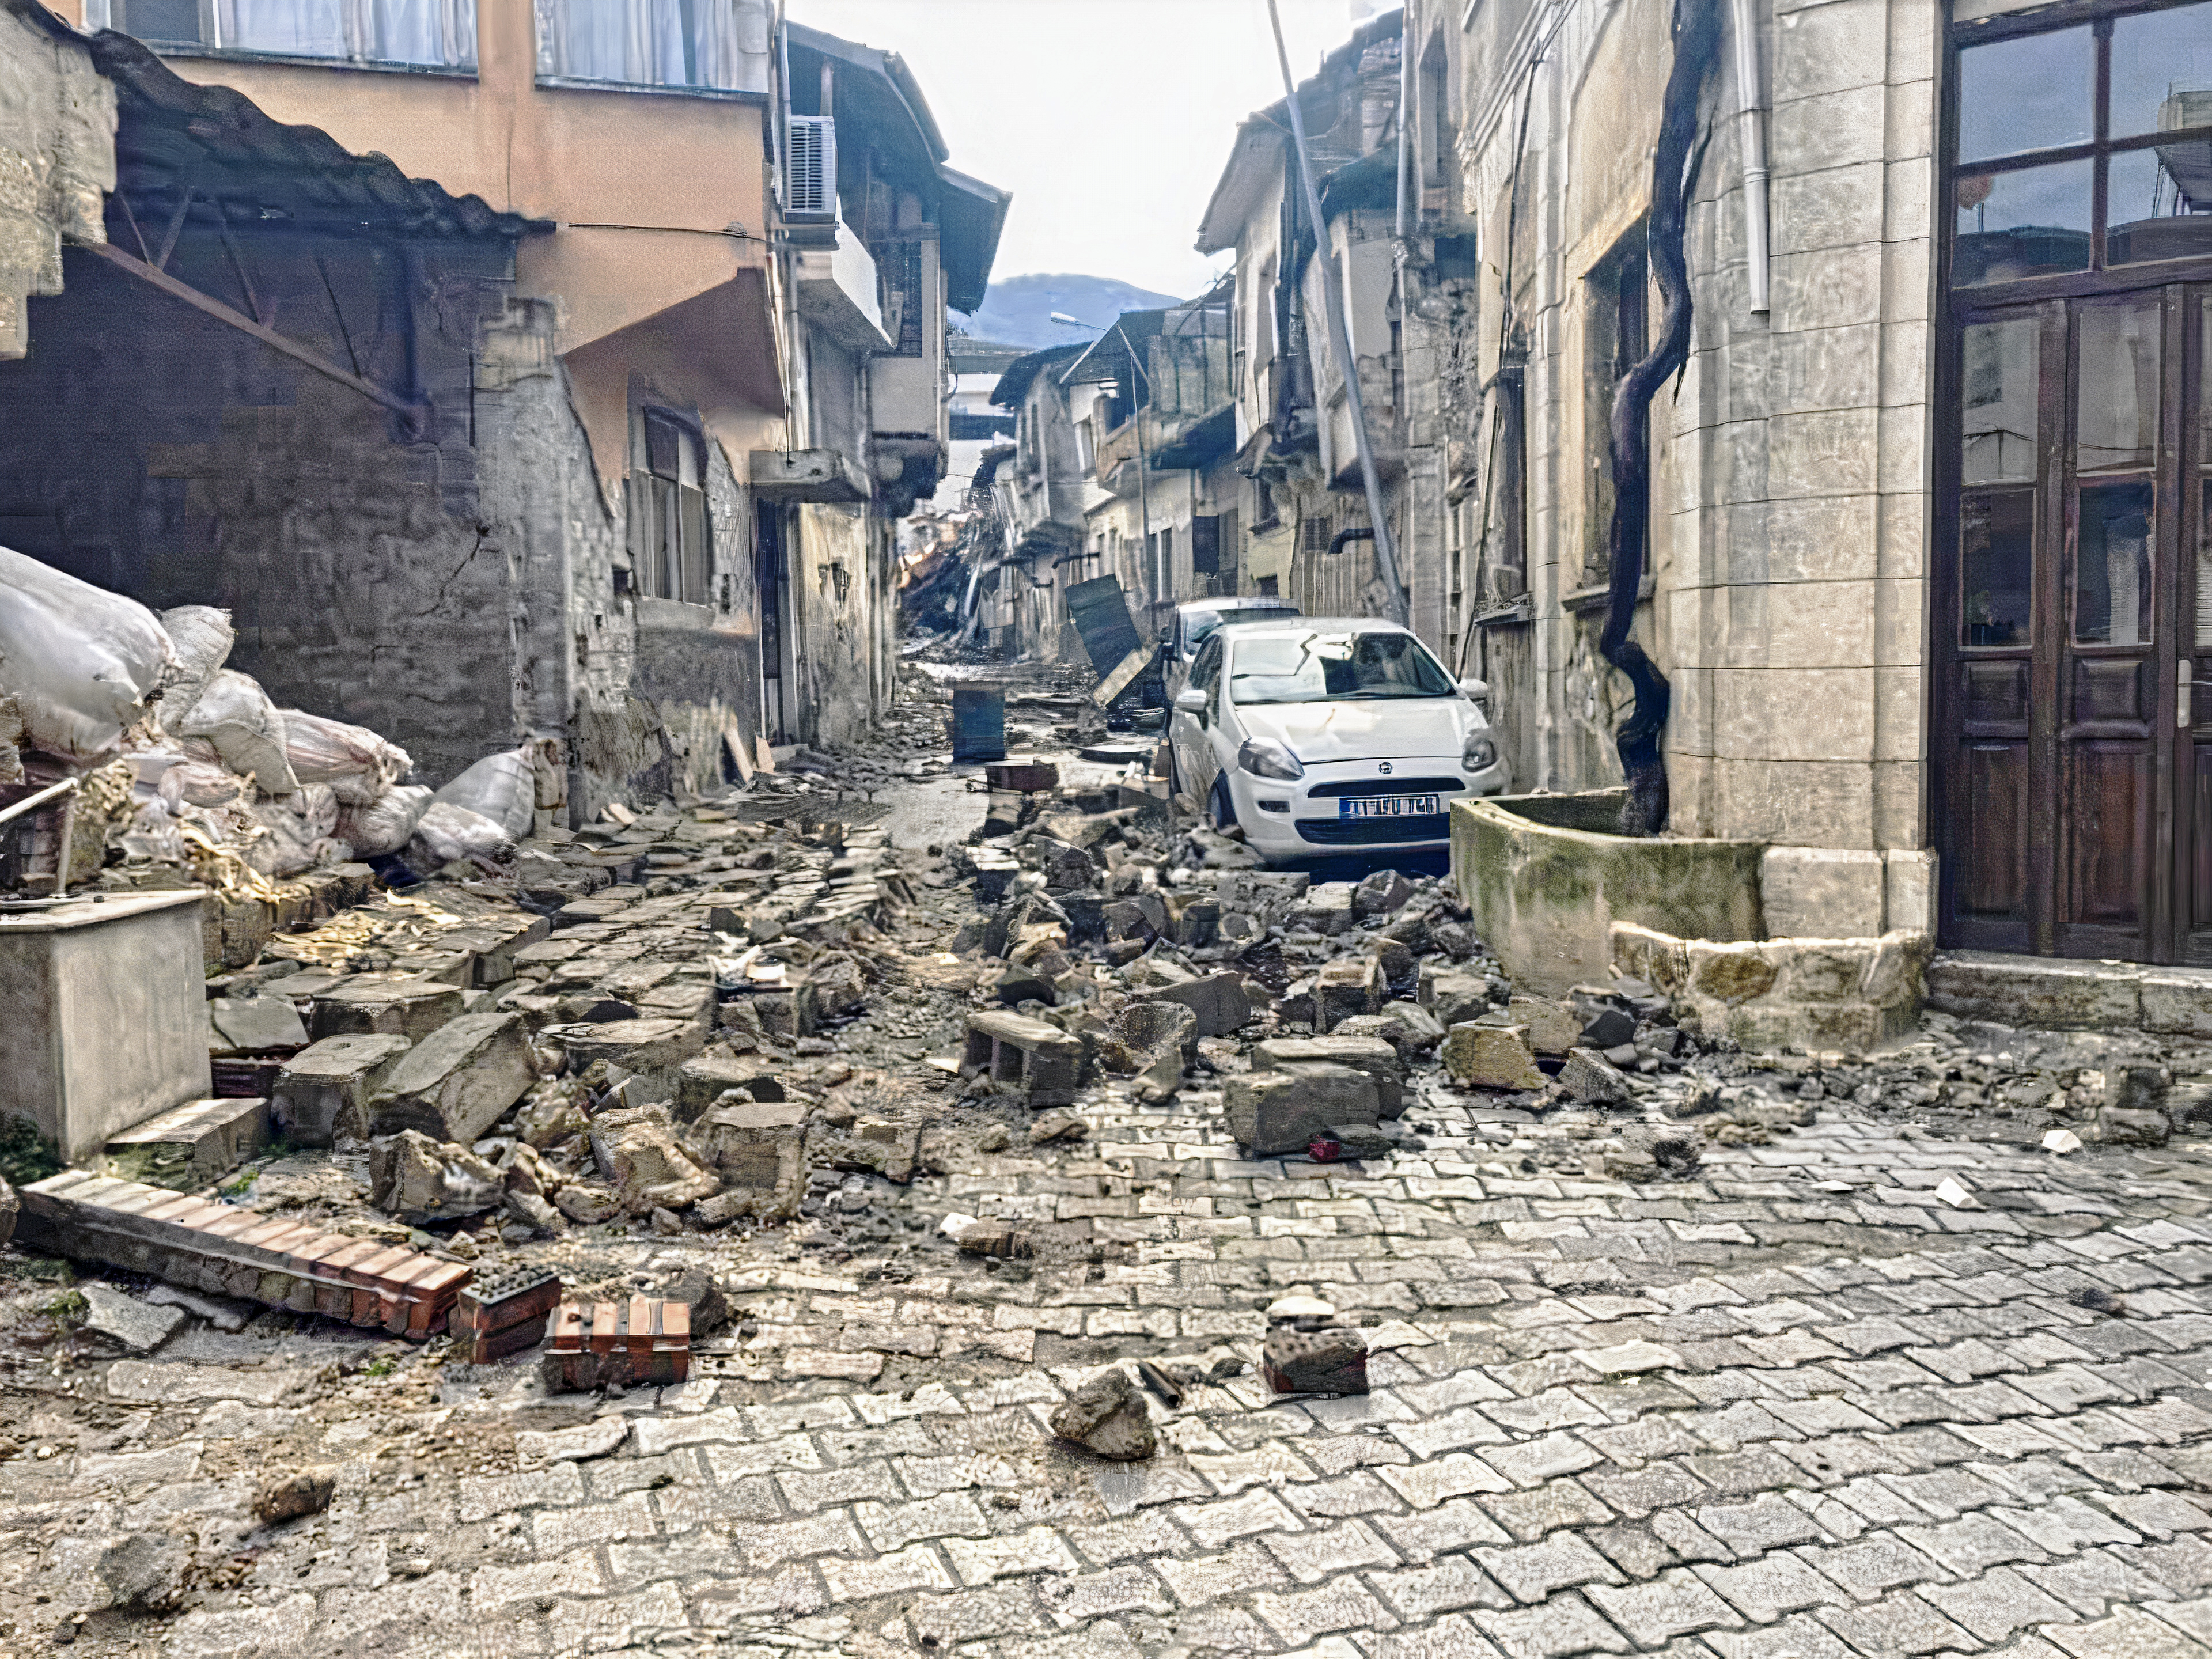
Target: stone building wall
(57,161)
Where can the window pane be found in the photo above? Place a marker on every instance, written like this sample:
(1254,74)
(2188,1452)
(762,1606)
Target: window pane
(2034,223)
(2162,71)
(2111,577)
(660,43)
(310,29)
(2146,203)
(1997,563)
(2116,380)
(2036,92)
(1999,376)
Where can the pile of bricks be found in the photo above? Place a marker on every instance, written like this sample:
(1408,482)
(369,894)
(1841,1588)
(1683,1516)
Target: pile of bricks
(503,1315)
(227,1251)
(638,1343)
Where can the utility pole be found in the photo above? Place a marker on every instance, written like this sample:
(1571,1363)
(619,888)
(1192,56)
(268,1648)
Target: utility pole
(1339,334)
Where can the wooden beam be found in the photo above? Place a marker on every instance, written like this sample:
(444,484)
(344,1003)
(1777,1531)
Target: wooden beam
(416,415)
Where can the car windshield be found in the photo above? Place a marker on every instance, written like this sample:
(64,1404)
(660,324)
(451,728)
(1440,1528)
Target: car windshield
(1320,667)
(1198,625)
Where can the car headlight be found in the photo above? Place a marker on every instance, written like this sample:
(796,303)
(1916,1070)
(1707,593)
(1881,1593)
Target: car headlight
(1264,757)
(1480,753)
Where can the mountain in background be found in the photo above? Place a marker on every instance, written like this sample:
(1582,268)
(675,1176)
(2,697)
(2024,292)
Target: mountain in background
(1019,310)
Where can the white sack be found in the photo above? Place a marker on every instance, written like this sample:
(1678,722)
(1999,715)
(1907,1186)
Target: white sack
(352,759)
(202,637)
(386,824)
(81,662)
(299,838)
(201,783)
(447,833)
(503,787)
(235,716)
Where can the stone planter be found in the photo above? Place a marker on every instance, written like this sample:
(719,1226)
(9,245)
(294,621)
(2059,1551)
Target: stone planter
(1547,878)
(1854,994)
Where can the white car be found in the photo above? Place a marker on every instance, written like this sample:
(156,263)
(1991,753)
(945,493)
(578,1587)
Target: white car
(1321,735)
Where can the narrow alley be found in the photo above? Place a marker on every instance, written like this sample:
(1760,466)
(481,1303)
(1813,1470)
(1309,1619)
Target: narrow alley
(735,921)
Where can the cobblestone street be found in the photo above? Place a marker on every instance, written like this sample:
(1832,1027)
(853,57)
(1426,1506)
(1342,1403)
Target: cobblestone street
(1798,1405)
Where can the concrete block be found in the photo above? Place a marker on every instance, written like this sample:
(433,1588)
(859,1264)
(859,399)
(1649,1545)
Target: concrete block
(655,1049)
(410,1008)
(1346,987)
(106,1011)
(2050,990)
(192,1144)
(1456,995)
(1040,1058)
(457,1081)
(1820,892)
(1276,1111)
(1325,909)
(1220,1000)
(1554,1026)
(1491,1057)
(323,1090)
(759,1149)
(1372,1055)
(254,1025)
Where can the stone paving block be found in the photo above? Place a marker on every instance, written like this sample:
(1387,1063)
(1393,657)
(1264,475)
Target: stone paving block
(1873,1565)
(1425,1485)
(2161,1514)
(1356,1493)
(1767,1523)
(1970,1545)
(1214,1525)
(1197,1580)
(1901,1623)
(916,1567)
(1301,1615)
(1447,1638)
(978,1561)
(1420,1593)
(1079,1599)
(1311,1557)
(1562,1627)
(1765,1589)
(1995,1605)
(1532,1515)
(1533,1572)
(1674,1604)
(2095,1580)
(1801,1637)
(2128,1633)
(1532,1462)
(941,1621)
(1635,1494)
(1450,1432)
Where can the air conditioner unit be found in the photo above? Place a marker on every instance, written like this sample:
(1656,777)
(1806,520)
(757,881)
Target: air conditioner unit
(809,184)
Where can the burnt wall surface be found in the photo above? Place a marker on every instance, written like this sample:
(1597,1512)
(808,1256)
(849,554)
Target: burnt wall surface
(153,450)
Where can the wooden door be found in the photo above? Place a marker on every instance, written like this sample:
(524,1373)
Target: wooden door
(2077,811)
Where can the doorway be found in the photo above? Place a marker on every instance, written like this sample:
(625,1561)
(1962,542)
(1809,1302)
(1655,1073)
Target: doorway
(772,581)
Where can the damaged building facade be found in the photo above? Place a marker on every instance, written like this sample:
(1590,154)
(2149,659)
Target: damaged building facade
(1925,501)
(506,436)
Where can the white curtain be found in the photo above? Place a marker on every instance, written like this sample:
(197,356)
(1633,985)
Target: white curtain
(654,43)
(438,32)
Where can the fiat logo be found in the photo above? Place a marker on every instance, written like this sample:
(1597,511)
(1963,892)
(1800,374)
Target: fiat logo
(1384,769)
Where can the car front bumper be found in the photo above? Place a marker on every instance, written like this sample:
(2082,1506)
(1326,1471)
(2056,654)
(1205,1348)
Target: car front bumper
(1307,820)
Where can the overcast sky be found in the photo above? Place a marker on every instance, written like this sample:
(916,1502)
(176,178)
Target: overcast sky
(1108,120)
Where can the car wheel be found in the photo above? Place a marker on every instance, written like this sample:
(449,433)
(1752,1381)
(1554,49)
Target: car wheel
(1225,807)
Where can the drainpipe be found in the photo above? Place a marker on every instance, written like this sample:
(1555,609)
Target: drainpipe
(1751,137)
(1405,124)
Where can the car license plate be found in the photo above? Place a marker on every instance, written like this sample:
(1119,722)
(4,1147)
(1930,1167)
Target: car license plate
(1388,806)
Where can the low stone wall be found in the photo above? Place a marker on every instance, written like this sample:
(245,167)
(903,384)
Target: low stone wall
(1546,883)
(1854,994)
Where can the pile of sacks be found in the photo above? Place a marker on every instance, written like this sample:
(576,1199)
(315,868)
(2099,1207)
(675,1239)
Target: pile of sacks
(197,765)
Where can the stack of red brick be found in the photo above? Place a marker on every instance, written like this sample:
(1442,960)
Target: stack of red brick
(227,1251)
(504,1314)
(638,1342)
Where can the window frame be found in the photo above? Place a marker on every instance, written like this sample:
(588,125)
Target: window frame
(103,14)
(2099,150)
(681,569)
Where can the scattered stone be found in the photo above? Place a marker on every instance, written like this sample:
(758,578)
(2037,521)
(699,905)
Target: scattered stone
(1274,1112)
(1218,1001)
(1058,1126)
(1483,1056)
(457,1081)
(587,1203)
(283,1497)
(698,1290)
(1305,1313)
(1329,1360)
(2097,1299)
(418,1179)
(129,1323)
(1000,1239)
(637,1151)
(222,1315)
(324,1089)
(1153,1042)
(2060,1141)
(1384,893)
(1107,1415)
(1370,1054)
(145,1572)
(1595,1080)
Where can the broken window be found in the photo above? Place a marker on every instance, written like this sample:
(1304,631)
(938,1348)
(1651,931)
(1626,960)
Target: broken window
(668,518)
(423,33)
(1617,334)
(649,43)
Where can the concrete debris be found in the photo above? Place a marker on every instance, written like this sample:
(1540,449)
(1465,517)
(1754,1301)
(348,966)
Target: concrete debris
(1279,1111)
(457,1081)
(1483,1056)
(145,1572)
(281,1497)
(1328,1360)
(132,1325)
(636,1151)
(323,1092)
(418,1179)
(1108,1416)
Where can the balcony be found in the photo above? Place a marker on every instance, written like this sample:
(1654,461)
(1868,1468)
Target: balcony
(839,292)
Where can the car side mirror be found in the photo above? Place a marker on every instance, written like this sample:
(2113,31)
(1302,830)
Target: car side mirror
(1191,700)
(1477,690)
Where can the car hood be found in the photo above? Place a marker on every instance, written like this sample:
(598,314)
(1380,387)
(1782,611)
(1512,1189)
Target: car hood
(1319,733)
